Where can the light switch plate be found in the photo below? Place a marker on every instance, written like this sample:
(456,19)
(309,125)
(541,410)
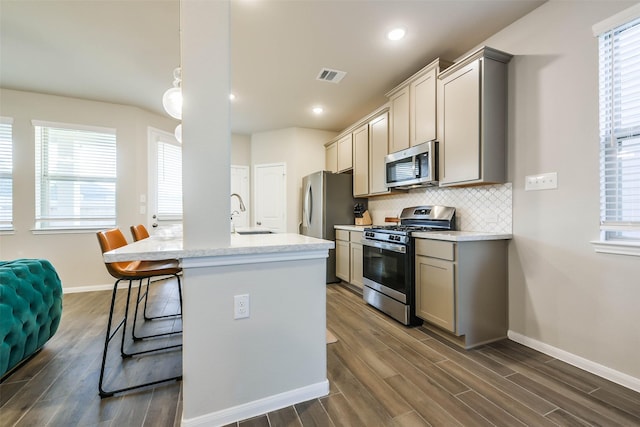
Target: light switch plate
(543,181)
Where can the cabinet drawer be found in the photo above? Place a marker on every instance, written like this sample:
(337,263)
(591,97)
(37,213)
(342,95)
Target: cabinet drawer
(435,249)
(342,235)
(356,236)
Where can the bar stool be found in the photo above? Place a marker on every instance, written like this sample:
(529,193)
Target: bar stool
(130,271)
(139,232)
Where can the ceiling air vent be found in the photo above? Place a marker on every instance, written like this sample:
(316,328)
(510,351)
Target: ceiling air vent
(329,75)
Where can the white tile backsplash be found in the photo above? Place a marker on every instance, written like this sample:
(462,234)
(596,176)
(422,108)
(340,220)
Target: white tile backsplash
(486,208)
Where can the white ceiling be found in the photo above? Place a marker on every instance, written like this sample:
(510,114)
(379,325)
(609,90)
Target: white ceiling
(124,51)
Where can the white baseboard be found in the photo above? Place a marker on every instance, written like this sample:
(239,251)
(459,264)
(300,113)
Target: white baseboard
(577,361)
(259,407)
(90,288)
(108,287)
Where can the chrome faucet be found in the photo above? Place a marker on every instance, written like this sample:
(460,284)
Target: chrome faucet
(242,207)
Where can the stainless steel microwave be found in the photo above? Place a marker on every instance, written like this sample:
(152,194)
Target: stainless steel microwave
(414,167)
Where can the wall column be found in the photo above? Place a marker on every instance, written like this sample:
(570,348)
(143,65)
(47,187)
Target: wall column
(206,134)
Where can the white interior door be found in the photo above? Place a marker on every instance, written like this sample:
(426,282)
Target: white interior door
(270,196)
(164,201)
(240,186)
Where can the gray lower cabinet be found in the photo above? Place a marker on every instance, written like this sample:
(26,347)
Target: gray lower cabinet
(355,261)
(342,255)
(349,257)
(461,289)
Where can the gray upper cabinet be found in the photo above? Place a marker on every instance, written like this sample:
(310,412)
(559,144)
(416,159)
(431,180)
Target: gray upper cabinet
(399,126)
(331,156)
(361,161)
(339,154)
(345,153)
(472,113)
(413,105)
(378,150)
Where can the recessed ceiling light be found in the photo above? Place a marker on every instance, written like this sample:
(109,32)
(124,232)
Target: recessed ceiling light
(317,110)
(396,34)
(232,96)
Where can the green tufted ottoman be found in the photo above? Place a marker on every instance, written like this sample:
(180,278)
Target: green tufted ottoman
(30,309)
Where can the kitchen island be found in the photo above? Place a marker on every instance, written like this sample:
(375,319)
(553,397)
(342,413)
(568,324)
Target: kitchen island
(234,369)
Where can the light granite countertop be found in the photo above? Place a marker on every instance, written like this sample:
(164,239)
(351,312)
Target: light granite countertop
(461,236)
(451,236)
(170,247)
(352,227)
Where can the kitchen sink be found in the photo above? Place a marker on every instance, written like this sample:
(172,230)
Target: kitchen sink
(252,230)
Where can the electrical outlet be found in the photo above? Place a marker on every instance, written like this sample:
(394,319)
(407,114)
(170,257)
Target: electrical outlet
(241,306)
(543,181)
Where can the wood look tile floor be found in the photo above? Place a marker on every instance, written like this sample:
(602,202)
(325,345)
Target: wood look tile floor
(381,374)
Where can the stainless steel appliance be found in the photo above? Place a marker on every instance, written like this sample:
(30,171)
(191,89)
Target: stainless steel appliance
(413,167)
(388,260)
(327,200)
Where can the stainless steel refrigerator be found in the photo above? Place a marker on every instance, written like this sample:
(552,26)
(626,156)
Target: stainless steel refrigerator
(327,200)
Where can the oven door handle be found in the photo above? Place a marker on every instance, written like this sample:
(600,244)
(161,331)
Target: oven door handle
(384,245)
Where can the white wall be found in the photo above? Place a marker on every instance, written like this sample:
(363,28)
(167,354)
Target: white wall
(240,150)
(77,256)
(303,152)
(561,292)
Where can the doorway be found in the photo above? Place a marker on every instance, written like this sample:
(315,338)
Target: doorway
(270,196)
(164,204)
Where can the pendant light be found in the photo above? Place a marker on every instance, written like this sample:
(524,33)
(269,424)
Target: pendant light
(178,133)
(172,98)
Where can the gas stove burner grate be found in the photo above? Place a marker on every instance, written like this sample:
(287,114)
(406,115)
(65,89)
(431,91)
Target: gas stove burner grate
(403,228)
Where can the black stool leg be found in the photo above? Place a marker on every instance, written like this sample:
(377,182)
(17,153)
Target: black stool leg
(123,353)
(109,336)
(145,297)
(179,292)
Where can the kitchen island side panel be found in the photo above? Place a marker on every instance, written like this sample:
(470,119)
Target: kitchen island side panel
(236,369)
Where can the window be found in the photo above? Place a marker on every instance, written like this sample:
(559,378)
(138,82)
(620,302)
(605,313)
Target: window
(6,174)
(619,52)
(75,176)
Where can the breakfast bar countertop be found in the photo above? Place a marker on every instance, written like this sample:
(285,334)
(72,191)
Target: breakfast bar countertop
(171,247)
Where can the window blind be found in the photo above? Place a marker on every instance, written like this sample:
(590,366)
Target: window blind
(619,52)
(75,177)
(6,174)
(169,179)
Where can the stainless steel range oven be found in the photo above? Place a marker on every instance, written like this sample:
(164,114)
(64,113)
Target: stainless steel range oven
(388,260)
